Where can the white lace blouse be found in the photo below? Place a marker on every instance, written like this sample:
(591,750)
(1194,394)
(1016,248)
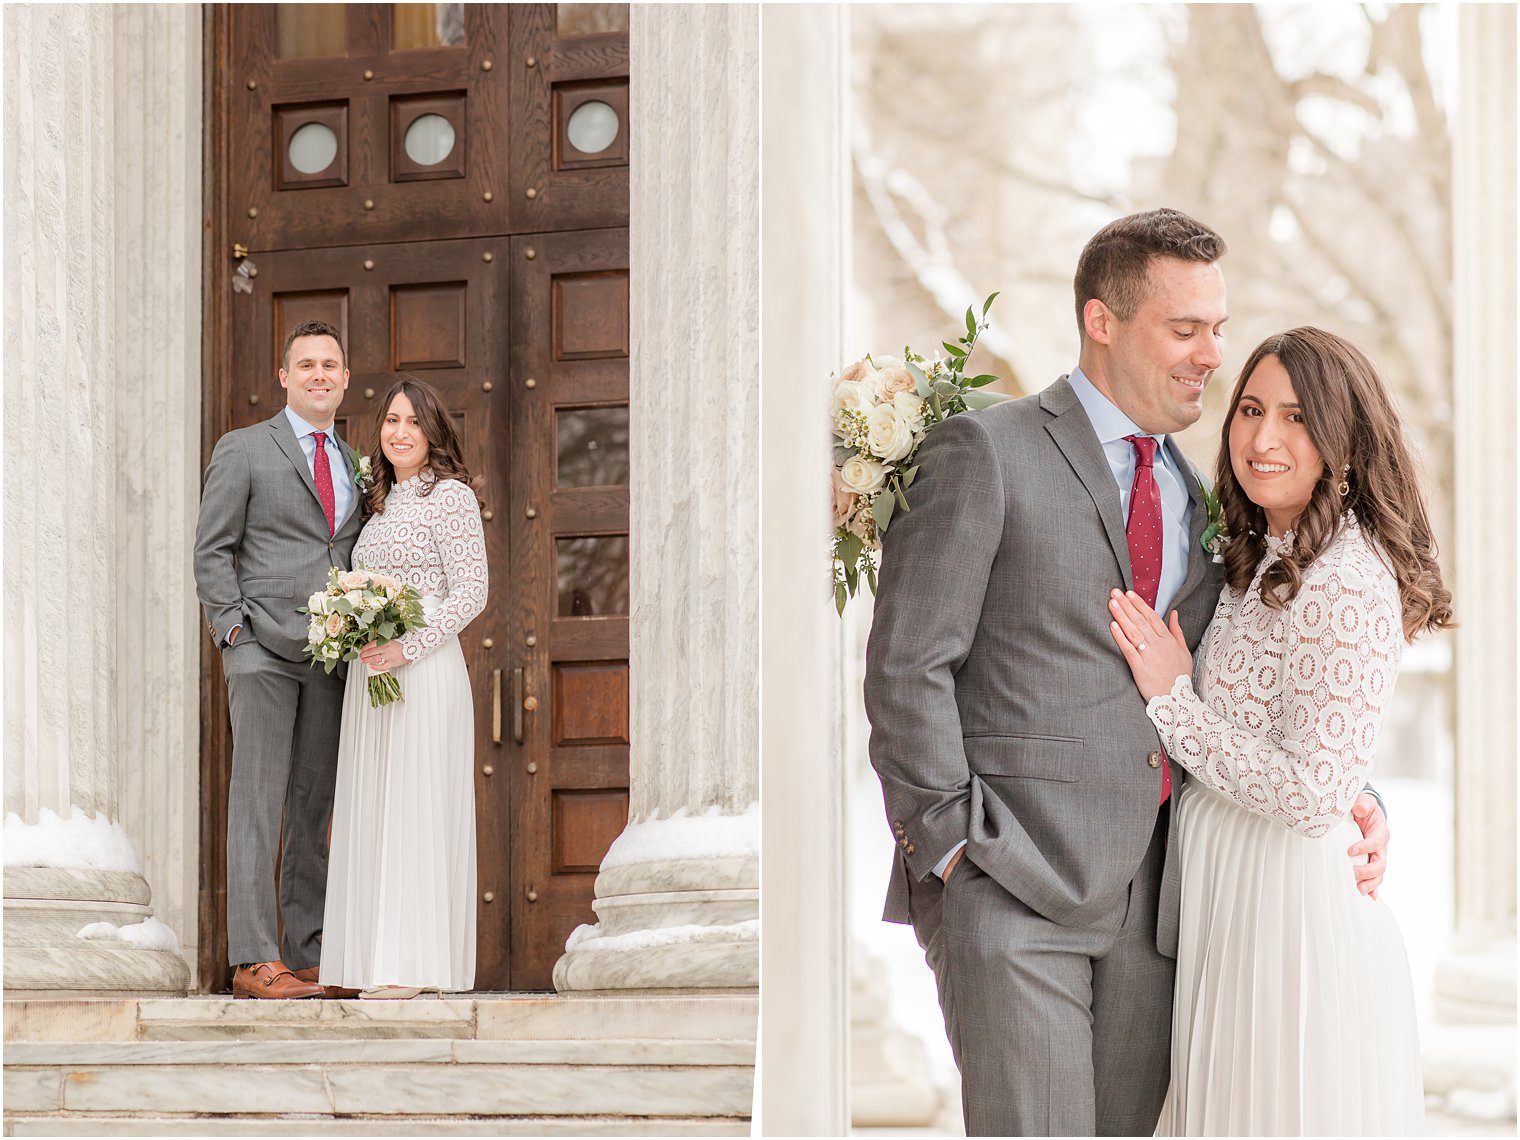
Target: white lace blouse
(435,543)
(1289,702)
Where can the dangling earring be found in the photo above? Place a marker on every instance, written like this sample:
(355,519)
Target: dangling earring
(1345,485)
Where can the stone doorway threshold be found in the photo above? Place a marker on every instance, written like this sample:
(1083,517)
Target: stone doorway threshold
(649,1063)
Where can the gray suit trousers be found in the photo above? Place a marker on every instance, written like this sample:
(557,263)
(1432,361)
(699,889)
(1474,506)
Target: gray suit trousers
(285,721)
(1058,1030)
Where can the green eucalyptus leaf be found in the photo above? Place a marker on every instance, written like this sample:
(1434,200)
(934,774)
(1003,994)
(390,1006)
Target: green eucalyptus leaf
(840,597)
(946,388)
(980,381)
(909,475)
(842,454)
(871,577)
(901,498)
(954,349)
(881,511)
(987,304)
(970,323)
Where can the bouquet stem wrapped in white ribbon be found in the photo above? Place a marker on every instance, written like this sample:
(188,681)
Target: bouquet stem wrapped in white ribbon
(882,408)
(356,608)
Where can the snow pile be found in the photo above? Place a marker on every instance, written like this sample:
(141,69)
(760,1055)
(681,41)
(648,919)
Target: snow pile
(592,938)
(710,835)
(149,934)
(81,842)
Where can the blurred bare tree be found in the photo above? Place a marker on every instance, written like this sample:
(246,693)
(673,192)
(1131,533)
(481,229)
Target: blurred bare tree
(1323,157)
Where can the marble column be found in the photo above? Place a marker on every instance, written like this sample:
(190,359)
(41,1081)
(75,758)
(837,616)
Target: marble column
(677,899)
(805,961)
(158,441)
(69,864)
(1476,982)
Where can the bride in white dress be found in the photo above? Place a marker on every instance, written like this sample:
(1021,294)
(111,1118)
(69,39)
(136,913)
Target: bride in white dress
(400,915)
(1294,1011)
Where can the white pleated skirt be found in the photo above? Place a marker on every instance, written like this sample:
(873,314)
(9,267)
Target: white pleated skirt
(1294,1012)
(401,866)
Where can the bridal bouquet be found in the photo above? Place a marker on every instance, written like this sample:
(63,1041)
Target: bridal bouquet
(358,607)
(882,408)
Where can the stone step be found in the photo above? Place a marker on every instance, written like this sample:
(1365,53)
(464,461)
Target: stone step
(483,1089)
(518,1017)
(105,1125)
(519,1064)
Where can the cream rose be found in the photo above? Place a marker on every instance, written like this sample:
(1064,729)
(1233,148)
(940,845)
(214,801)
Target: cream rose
(334,624)
(887,433)
(317,603)
(848,396)
(895,377)
(863,476)
(353,579)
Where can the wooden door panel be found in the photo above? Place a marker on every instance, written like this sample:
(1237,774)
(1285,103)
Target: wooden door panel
(573,773)
(371,192)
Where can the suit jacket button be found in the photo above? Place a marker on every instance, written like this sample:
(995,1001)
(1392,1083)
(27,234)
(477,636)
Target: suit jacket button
(909,848)
(1154,759)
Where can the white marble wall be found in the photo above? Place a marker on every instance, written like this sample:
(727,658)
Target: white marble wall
(64,518)
(804,953)
(695,448)
(158,112)
(1477,982)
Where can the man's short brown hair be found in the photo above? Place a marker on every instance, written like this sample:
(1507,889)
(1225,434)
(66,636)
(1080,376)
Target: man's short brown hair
(312,328)
(1115,263)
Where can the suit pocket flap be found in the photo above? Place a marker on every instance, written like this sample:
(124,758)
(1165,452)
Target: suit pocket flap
(269,588)
(1036,757)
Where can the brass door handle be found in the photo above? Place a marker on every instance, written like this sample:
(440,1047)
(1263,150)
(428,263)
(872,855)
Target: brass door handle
(495,706)
(517,704)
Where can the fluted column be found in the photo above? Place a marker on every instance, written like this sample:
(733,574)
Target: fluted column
(678,894)
(805,967)
(1476,982)
(69,863)
(158,442)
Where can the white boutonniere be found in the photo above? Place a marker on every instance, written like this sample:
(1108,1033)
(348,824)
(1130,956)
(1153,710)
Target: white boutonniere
(363,475)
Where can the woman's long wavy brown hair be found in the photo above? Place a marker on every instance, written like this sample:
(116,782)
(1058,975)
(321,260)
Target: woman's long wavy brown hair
(1351,420)
(445,459)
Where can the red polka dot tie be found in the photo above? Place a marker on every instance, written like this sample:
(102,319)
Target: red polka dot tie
(1143,531)
(321,473)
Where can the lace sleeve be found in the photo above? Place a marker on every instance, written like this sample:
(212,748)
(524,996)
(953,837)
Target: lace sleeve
(1344,641)
(456,533)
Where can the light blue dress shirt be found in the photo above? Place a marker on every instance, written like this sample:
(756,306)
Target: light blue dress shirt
(344,491)
(1111,426)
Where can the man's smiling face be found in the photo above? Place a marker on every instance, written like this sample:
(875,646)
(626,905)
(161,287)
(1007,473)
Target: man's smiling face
(1160,360)
(314,379)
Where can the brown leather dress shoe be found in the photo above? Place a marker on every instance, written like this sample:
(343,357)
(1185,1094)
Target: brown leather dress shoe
(310,974)
(271,980)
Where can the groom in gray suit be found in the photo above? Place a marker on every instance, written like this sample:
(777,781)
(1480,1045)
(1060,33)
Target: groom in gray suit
(1028,793)
(279,507)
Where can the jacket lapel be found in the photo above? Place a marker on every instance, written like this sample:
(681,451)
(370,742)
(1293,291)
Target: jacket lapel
(285,436)
(1198,520)
(1073,434)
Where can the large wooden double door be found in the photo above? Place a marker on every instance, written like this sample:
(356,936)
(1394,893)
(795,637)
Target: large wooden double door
(447,185)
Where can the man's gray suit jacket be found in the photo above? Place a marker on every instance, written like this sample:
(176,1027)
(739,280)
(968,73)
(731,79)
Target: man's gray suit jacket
(1002,713)
(261,545)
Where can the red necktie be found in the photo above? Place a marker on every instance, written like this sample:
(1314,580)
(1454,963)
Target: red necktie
(1144,534)
(322,474)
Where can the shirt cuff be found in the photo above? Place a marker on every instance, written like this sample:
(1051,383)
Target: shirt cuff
(939,868)
(226,641)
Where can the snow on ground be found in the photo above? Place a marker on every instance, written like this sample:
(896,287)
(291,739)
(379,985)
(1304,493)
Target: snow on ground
(149,934)
(80,842)
(710,835)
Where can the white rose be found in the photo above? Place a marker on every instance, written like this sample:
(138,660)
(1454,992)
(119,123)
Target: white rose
(910,408)
(848,397)
(355,598)
(317,603)
(863,476)
(314,632)
(887,433)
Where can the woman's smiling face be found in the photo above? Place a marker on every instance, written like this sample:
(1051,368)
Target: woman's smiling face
(1275,461)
